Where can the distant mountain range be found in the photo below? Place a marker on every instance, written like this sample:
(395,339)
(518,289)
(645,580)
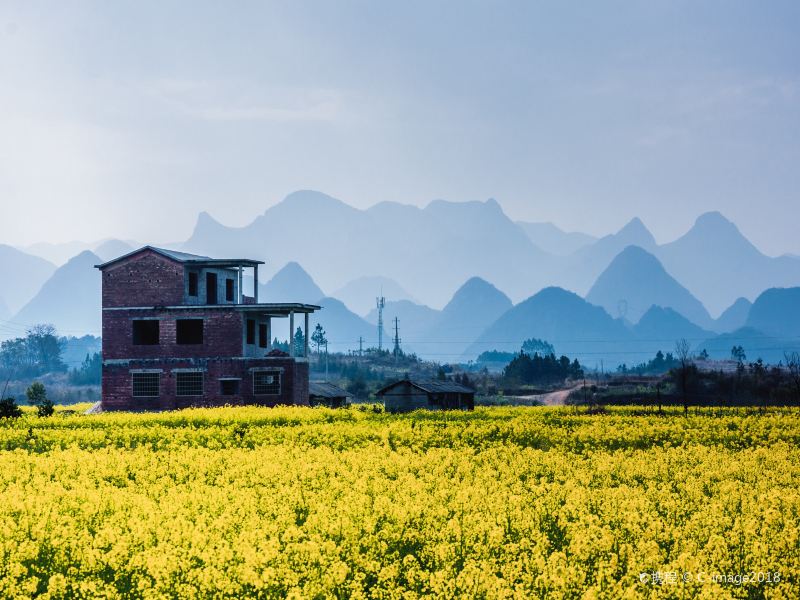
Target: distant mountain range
(70,299)
(22,275)
(635,280)
(290,284)
(556,241)
(640,296)
(360,295)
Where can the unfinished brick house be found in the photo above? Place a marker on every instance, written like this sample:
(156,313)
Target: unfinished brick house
(178,332)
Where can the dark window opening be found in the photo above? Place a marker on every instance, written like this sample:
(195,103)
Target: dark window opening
(193,284)
(229,387)
(251,331)
(262,335)
(189,331)
(145,332)
(189,384)
(211,288)
(229,290)
(266,383)
(146,385)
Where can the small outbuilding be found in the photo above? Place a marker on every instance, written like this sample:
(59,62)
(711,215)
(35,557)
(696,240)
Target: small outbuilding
(407,395)
(322,393)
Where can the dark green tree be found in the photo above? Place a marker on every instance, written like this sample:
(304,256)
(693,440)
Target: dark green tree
(9,408)
(299,342)
(37,396)
(536,346)
(318,337)
(737,354)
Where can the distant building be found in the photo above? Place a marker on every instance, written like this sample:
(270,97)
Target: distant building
(321,393)
(178,331)
(407,395)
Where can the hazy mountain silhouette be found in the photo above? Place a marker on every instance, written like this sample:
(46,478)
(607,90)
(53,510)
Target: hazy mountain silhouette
(290,284)
(776,312)
(5,313)
(415,320)
(431,249)
(554,240)
(111,249)
(665,326)
(22,275)
(580,270)
(718,264)
(473,307)
(69,299)
(734,317)
(57,253)
(359,294)
(564,319)
(342,326)
(635,280)
(756,344)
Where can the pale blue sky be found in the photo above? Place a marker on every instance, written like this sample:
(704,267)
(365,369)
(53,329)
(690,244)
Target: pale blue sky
(127,118)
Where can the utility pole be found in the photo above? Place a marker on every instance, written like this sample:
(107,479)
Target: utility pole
(380,303)
(360,346)
(326,360)
(396,339)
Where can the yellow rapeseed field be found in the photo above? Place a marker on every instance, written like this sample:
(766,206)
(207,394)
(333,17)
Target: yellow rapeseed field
(316,503)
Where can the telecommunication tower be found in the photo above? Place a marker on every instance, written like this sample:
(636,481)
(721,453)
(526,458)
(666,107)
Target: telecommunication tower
(380,303)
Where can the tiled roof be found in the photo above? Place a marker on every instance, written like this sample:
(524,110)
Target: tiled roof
(323,389)
(432,386)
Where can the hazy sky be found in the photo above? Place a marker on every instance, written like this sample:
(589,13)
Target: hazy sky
(127,118)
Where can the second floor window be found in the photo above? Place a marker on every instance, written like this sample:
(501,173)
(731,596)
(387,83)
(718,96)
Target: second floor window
(193,284)
(262,335)
(145,332)
(251,331)
(189,331)
(229,290)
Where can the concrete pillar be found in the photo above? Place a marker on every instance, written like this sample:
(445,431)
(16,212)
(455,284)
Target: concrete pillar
(269,334)
(291,333)
(241,291)
(255,283)
(305,331)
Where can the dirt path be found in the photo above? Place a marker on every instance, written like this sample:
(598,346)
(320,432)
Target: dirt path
(557,398)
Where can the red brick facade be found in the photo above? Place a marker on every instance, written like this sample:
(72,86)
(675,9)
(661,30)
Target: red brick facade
(146,277)
(147,286)
(118,383)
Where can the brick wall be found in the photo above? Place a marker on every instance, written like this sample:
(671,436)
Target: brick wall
(222,334)
(118,394)
(144,279)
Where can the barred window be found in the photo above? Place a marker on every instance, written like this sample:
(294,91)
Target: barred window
(146,385)
(189,384)
(266,383)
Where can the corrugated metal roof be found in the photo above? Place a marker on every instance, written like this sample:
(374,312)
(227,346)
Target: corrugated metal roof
(432,386)
(323,389)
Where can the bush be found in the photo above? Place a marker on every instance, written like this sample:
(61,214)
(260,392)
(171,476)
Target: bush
(9,409)
(37,396)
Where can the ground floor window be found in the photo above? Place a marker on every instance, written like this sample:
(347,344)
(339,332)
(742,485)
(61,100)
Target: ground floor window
(267,382)
(189,383)
(146,385)
(229,387)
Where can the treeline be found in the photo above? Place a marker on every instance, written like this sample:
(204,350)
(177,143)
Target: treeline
(41,351)
(541,369)
(38,352)
(752,384)
(658,365)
